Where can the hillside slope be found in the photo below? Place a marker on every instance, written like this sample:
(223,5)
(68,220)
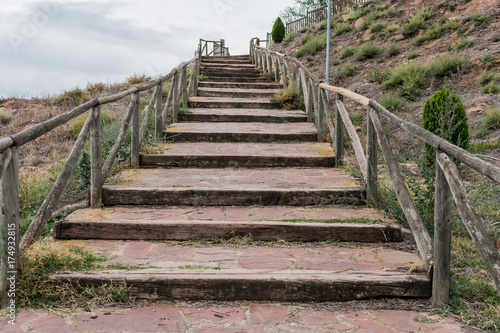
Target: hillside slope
(468,30)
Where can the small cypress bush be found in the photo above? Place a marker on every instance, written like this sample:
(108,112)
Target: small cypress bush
(445,116)
(279,31)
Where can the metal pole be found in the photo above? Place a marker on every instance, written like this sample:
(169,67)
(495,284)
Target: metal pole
(328,36)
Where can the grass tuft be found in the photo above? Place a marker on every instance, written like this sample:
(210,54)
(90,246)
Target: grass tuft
(409,79)
(488,60)
(289,38)
(342,29)
(348,52)
(413,55)
(393,49)
(347,70)
(312,46)
(447,65)
(367,51)
(5,117)
(392,101)
(290,98)
(491,119)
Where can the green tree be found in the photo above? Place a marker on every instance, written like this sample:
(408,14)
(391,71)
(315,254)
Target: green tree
(279,31)
(445,116)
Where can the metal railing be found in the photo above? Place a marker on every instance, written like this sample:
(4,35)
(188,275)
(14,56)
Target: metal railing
(435,254)
(11,247)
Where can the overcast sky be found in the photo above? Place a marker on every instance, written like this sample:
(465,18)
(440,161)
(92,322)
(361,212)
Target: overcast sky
(47,47)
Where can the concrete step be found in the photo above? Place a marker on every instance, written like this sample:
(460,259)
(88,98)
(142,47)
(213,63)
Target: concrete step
(240,85)
(242,132)
(239,155)
(229,70)
(232,187)
(237,92)
(227,60)
(235,79)
(254,273)
(231,103)
(244,115)
(264,224)
(232,74)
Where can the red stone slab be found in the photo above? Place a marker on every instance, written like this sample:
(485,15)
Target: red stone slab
(244,115)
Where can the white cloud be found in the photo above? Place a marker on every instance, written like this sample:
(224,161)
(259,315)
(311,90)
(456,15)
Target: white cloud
(54,45)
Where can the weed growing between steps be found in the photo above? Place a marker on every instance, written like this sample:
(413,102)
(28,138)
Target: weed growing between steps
(43,259)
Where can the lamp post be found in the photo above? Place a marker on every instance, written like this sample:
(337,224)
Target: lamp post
(328,36)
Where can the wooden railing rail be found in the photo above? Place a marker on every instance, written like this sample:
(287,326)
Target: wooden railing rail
(180,90)
(215,48)
(435,253)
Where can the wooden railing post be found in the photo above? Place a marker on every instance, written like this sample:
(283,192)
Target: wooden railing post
(277,68)
(183,87)
(323,104)
(442,239)
(483,242)
(175,108)
(9,224)
(158,113)
(196,73)
(284,75)
(318,111)
(52,200)
(371,159)
(96,161)
(135,145)
(339,134)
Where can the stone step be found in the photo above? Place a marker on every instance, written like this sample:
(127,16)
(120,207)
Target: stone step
(227,60)
(232,187)
(306,224)
(254,273)
(226,65)
(237,92)
(235,79)
(239,155)
(231,103)
(242,132)
(232,74)
(240,85)
(243,115)
(229,70)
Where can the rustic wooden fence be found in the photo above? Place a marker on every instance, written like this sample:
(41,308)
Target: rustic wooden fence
(214,48)
(435,254)
(318,15)
(179,91)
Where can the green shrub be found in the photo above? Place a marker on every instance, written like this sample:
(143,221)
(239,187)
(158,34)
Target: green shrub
(488,60)
(367,51)
(465,44)
(346,70)
(305,39)
(409,79)
(435,32)
(495,38)
(358,13)
(289,38)
(391,29)
(312,47)
(416,22)
(477,18)
(412,55)
(420,40)
(335,62)
(377,27)
(138,79)
(74,97)
(347,52)
(342,29)
(445,116)
(393,49)
(378,75)
(486,78)
(5,117)
(454,24)
(290,98)
(491,89)
(491,119)
(76,125)
(202,77)
(448,65)
(392,101)
(390,13)
(279,31)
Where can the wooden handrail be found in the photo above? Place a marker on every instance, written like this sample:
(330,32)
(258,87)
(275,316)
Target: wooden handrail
(448,181)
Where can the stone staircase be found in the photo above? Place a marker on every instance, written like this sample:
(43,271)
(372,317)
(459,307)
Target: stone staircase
(238,166)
